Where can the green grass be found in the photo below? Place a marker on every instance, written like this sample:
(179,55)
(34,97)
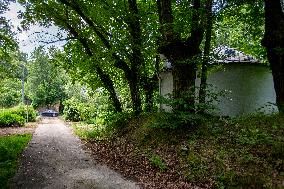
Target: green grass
(10,149)
(88,131)
(158,162)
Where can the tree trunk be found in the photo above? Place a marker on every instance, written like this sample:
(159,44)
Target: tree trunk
(203,82)
(181,53)
(109,85)
(104,77)
(149,86)
(136,58)
(273,41)
(132,72)
(277,66)
(135,96)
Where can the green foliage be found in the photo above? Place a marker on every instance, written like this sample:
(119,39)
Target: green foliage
(10,149)
(10,94)
(158,162)
(17,116)
(238,27)
(118,120)
(106,49)
(9,119)
(75,110)
(27,112)
(177,120)
(8,44)
(190,114)
(45,84)
(237,153)
(89,131)
(71,111)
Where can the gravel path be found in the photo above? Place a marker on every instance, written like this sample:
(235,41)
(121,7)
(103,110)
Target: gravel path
(55,159)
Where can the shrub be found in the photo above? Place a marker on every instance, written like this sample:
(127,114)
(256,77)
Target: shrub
(8,119)
(176,120)
(78,111)
(27,112)
(118,120)
(71,111)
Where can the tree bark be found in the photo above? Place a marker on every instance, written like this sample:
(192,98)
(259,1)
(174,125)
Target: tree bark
(207,46)
(136,58)
(181,53)
(273,41)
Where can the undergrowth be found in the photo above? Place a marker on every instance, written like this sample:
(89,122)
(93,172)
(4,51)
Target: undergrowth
(243,152)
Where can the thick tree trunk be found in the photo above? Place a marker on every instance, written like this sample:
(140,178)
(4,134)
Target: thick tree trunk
(181,53)
(136,59)
(184,75)
(135,96)
(277,66)
(274,42)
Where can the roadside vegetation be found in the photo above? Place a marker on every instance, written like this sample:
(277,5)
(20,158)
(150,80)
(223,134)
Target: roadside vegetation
(11,143)
(242,152)
(10,149)
(106,75)
(17,116)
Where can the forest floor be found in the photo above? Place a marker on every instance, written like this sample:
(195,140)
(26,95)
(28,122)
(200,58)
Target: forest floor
(55,158)
(245,152)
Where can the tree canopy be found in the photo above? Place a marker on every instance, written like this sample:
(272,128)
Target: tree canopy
(45,83)
(8,45)
(117,44)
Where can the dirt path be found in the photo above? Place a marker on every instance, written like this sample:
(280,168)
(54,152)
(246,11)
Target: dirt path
(55,159)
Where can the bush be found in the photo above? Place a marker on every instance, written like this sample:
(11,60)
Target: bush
(118,120)
(176,120)
(27,112)
(9,119)
(78,111)
(71,111)
(17,116)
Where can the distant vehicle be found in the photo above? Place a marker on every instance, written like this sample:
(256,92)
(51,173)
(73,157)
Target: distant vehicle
(49,113)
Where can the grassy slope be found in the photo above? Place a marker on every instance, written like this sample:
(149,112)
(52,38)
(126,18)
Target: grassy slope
(10,149)
(246,152)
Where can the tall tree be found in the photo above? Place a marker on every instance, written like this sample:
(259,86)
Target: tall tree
(45,84)
(273,41)
(182,48)
(111,35)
